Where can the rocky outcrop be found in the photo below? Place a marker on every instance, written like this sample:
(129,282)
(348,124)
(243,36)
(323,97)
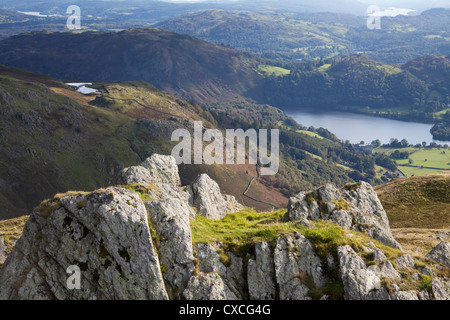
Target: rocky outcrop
(105,234)
(208,286)
(405,262)
(261,273)
(157,168)
(440,253)
(208,199)
(388,271)
(287,271)
(441,289)
(139,245)
(360,282)
(355,207)
(170,218)
(232,204)
(233,275)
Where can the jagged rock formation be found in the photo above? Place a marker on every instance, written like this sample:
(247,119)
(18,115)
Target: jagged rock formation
(441,253)
(355,207)
(139,245)
(209,201)
(104,233)
(233,277)
(170,217)
(157,168)
(261,274)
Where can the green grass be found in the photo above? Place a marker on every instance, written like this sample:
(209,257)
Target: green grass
(438,158)
(416,172)
(309,133)
(268,71)
(141,189)
(239,231)
(325,67)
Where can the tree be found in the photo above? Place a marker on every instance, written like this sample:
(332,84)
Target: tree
(404,143)
(376,143)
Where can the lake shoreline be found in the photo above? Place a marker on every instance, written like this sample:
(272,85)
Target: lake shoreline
(391,116)
(357,127)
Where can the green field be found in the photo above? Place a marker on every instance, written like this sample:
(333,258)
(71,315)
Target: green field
(424,160)
(268,71)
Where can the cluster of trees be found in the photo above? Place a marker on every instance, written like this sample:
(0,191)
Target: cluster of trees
(441,130)
(358,84)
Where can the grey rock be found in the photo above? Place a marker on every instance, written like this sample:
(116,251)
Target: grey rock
(136,174)
(328,210)
(328,193)
(208,199)
(440,253)
(305,223)
(209,259)
(405,262)
(235,275)
(261,274)
(379,256)
(381,294)
(440,289)
(360,283)
(427,271)
(423,295)
(309,262)
(170,218)
(232,204)
(405,295)
(157,168)
(330,261)
(357,208)
(162,191)
(298,208)
(287,271)
(314,211)
(3,250)
(208,286)
(210,262)
(104,233)
(389,271)
(342,218)
(163,169)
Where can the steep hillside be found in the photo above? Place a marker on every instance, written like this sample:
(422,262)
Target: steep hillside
(418,209)
(417,202)
(176,63)
(54,139)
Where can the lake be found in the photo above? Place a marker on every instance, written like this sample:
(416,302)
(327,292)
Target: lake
(358,127)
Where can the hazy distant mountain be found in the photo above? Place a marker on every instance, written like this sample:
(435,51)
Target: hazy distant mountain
(320,35)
